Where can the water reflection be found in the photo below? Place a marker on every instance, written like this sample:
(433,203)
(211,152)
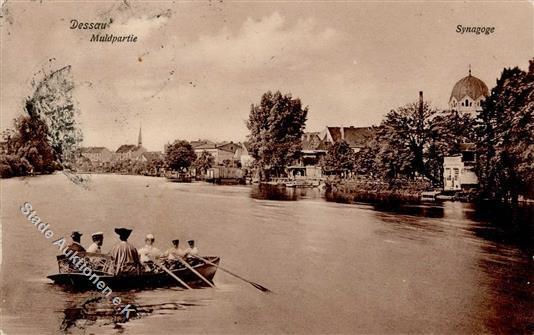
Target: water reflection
(282,193)
(98,311)
(513,225)
(429,211)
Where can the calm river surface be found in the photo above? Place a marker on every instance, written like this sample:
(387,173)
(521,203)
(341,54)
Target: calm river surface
(333,268)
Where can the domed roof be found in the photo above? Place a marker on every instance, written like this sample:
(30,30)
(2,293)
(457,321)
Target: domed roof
(470,86)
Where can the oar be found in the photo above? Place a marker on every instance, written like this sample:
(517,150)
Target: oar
(194,271)
(161,266)
(256,285)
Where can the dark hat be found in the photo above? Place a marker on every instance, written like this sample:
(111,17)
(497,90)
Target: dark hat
(76,234)
(176,241)
(191,241)
(123,232)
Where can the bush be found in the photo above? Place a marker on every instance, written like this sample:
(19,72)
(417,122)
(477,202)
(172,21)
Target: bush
(5,171)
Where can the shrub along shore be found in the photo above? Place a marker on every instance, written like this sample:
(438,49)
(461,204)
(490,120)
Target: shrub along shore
(368,190)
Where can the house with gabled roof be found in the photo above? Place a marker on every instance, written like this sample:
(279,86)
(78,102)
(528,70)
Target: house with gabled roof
(356,137)
(221,152)
(96,154)
(130,151)
(314,147)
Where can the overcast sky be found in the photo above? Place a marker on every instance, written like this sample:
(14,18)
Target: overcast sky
(197,67)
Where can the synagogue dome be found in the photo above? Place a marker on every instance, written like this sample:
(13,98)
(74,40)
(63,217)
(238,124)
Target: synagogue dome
(471,87)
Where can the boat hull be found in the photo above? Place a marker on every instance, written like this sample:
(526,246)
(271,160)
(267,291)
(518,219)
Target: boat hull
(79,281)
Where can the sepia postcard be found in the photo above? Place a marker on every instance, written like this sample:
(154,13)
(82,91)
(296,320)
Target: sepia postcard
(266,167)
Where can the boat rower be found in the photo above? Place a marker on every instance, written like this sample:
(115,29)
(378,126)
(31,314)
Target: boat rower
(124,255)
(149,252)
(175,252)
(192,250)
(98,240)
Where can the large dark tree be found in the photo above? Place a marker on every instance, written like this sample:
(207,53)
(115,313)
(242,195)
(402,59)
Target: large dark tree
(179,155)
(506,144)
(32,144)
(339,158)
(276,126)
(406,133)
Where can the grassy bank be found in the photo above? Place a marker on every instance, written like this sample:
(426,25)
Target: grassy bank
(368,190)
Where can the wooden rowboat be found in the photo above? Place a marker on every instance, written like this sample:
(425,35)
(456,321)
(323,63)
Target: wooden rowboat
(143,280)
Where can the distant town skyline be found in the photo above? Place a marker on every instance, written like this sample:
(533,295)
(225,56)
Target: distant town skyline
(196,67)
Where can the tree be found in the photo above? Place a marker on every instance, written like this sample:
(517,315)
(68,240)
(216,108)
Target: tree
(449,130)
(506,137)
(339,158)
(52,102)
(154,166)
(27,149)
(179,155)
(406,133)
(276,126)
(32,144)
(204,161)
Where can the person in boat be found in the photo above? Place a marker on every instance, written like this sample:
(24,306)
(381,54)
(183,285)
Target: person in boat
(175,252)
(75,245)
(98,240)
(125,259)
(192,250)
(149,253)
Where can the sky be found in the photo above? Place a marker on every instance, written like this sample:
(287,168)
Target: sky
(197,67)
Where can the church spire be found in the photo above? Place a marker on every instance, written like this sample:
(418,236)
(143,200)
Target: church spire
(469,70)
(140,139)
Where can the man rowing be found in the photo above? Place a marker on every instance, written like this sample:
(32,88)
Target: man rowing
(98,240)
(175,252)
(192,250)
(125,259)
(149,253)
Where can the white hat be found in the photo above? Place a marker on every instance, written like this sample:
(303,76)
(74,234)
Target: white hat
(98,233)
(150,237)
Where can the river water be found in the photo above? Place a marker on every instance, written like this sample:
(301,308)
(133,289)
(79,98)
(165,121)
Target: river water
(333,268)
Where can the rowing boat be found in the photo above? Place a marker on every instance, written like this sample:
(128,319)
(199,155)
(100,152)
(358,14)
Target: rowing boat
(144,280)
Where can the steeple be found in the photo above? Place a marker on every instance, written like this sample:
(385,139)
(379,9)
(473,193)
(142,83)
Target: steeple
(139,139)
(469,70)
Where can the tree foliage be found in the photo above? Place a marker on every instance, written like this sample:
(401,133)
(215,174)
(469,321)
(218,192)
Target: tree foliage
(412,142)
(339,158)
(179,155)
(276,126)
(405,135)
(204,161)
(506,137)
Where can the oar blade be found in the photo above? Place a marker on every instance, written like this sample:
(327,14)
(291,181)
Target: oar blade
(261,288)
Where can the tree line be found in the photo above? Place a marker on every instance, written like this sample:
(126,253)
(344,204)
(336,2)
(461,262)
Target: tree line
(412,140)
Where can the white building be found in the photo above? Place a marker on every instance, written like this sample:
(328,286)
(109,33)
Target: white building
(459,171)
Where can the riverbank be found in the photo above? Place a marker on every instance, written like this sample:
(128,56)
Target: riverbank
(366,190)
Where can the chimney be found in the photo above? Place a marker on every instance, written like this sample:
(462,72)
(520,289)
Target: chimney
(421,102)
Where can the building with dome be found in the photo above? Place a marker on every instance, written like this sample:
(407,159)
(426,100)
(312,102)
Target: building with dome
(466,97)
(468,94)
